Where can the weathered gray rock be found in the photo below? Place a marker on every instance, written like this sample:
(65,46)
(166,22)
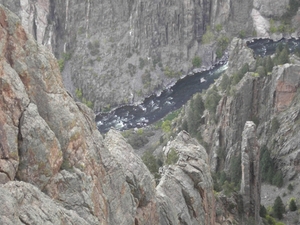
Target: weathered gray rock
(60,147)
(251,183)
(269,8)
(39,150)
(138,177)
(185,192)
(135,44)
(26,204)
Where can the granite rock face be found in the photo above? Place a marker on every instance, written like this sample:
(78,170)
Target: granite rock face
(262,100)
(185,192)
(250,183)
(26,204)
(141,45)
(67,173)
(140,180)
(50,141)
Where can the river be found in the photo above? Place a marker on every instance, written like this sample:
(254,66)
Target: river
(156,106)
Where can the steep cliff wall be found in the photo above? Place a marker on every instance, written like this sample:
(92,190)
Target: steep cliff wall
(55,167)
(267,100)
(137,45)
(115,52)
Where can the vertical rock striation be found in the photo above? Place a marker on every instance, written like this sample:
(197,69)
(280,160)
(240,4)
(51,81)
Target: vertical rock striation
(250,184)
(108,44)
(67,173)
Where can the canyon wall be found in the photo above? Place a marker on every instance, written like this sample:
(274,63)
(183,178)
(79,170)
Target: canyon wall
(56,168)
(114,53)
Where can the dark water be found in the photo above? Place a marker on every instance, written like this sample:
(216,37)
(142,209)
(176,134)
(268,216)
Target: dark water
(156,106)
(264,47)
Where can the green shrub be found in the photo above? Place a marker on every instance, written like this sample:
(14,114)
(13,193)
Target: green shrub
(194,114)
(222,44)
(61,64)
(78,93)
(166,126)
(170,73)
(242,34)
(151,162)
(225,82)
(208,37)
(240,74)
(172,157)
(138,140)
(261,71)
(196,61)
(278,179)
(146,79)
(290,187)
(266,165)
(275,125)
(141,63)
(262,211)
(218,27)
(212,99)
(236,171)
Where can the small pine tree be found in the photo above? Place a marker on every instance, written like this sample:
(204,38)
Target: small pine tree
(278,179)
(269,64)
(225,82)
(292,205)
(262,211)
(150,161)
(278,208)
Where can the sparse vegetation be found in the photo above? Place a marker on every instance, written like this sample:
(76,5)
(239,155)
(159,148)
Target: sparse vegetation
(212,99)
(278,208)
(79,96)
(94,47)
(146,79)
(196,61)
(61,61)
(221,46)
(172,157)
(240,74)
(218,27)
(170,73)
(208,37)
(275,125)
(292,205)
(225,82)
(141,63)
(151,163)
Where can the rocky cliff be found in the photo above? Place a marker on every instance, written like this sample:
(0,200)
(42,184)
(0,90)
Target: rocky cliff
(56,168)
(250,182)
(139,45)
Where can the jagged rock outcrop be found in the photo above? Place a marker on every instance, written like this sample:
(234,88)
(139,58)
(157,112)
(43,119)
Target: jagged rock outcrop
(103,46)
(185,192)
(24,203)
(49,140)
(66,172)
(250,183)
(262,100)
(138,44)
(138,177)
